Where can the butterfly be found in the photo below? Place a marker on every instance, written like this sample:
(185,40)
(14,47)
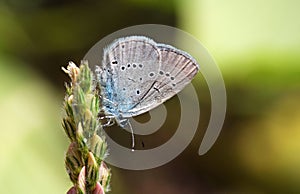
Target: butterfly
(137,74)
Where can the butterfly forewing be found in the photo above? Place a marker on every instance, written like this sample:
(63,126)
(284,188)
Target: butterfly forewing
(132,65)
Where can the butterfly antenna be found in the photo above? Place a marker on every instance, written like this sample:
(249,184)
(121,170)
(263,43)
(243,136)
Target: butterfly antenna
(132,135)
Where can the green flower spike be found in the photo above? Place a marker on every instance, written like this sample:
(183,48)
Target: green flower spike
(88,148)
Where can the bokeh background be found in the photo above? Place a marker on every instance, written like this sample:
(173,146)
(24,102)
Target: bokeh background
(255,43)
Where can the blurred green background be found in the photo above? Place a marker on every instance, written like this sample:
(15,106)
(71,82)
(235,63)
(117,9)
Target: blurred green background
(255,43)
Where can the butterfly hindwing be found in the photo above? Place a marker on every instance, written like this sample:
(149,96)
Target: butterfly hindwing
(177,69)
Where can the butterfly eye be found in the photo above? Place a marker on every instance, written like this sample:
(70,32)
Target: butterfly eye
(138,92)
(128,65)
(140,65)
(172,78)
(123,68)
(161,72)
(134,65)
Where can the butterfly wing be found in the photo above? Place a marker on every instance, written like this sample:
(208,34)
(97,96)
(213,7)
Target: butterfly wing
(129,68)
(177,69)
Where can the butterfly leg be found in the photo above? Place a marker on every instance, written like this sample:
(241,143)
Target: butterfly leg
(123,123)
(110,121)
